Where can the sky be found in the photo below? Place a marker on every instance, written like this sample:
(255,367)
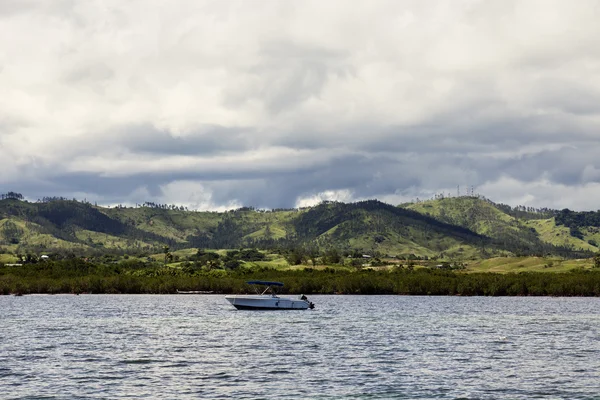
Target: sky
(277,104)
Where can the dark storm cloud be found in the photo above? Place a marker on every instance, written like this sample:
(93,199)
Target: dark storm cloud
(567,95)
(112,189)
(282,189)
(206,140)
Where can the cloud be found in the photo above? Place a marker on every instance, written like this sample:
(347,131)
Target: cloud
(194,195)
(219,104)
(556,196)
(329,195)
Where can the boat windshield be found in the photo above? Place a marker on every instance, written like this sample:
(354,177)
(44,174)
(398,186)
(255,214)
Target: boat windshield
(269,290)
(270,287)
(266,283)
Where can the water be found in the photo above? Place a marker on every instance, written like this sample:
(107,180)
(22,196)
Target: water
(349,347)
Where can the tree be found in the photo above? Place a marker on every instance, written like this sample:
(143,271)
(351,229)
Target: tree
(167,254)
(251,255)
(313,254)
(213,263)
(295,256)
(597,260)
(210,260)
(332,256)
(357,263)
(232,264)
(11,195)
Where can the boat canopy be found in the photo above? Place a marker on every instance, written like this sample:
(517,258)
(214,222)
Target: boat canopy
(266,283)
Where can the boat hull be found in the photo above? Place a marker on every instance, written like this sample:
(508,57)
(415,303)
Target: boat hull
(266,303)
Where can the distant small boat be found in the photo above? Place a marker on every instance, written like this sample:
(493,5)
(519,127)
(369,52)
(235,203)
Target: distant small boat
(194,292)
(268,299)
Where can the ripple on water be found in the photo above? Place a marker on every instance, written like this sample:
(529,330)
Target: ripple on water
(377,347)
(139,361)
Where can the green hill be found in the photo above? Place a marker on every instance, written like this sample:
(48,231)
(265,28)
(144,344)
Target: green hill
(373,226)
(450,228)
(521,236)
(68,226)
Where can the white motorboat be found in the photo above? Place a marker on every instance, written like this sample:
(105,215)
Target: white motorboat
(268,299)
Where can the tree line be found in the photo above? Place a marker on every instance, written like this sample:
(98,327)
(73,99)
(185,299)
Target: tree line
(78,276)
(11,195)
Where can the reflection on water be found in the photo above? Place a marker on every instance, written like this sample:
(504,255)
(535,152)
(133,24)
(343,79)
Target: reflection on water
(376,347)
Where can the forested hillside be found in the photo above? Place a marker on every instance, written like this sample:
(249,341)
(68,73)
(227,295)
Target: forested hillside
(524,235)
(458,228)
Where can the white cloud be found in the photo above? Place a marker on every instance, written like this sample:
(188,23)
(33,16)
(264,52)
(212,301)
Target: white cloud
(543,193)
(193,195)
(329,195)
(442,93)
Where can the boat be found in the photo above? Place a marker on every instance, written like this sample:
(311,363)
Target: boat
(194,291)
(268,299)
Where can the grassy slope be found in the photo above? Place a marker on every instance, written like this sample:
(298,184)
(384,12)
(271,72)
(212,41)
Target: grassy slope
(393,243)
(560,235)
(376,227)
(470,212)
(7,259)
(32,237)
(592,233)
(485,219)
(177,225)
(475,214)
(527,264)
(399,245)
(103,240)
(277,221)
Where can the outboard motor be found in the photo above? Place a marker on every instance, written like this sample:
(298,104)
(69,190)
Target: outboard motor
(310,303)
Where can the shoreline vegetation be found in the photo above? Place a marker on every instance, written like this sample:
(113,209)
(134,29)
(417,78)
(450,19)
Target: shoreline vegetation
(78,276)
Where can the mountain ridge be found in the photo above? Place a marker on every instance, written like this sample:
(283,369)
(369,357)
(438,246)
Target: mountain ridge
(459,228)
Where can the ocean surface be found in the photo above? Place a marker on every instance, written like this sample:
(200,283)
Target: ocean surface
(349,347)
